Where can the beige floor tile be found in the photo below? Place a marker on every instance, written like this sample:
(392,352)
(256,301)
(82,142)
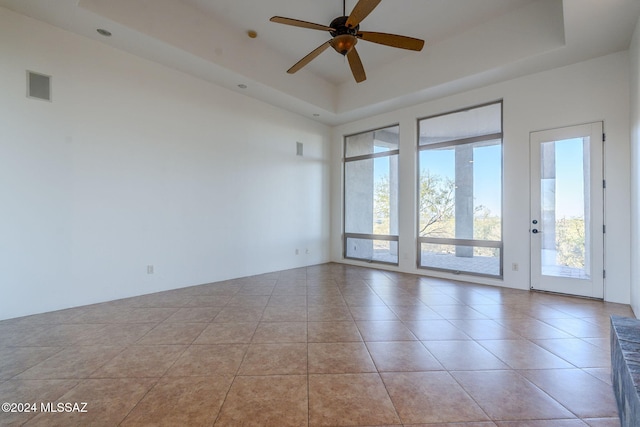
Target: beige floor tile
(385,331)
(435,330)
(211,301)
(603,343)
(190,401)
(206,360)
(349,399)
(437,298)
(15,360)
(484,329)
(430,397)
(227,333)
(414,312)
(173,333)
(72,362)
(333,358)
(457,312)
(402,356)
(374,312)
(464,356)
(395,299)
(257,289)
(329,313)
(603,374)
(543,423)
(577,352)
(12,332)
(578,391)
(603,422)
(116,334)
(62,335)
(367,299)
(107,400)
(466,424)
(333,332)
(288,300)
(117,314)
(298,287)
(141,361)
(279,313)
(32,391)
(580,328)
(330,298)
(236,314)
(272,332)
(505,395)
(523,354)
(447,351)
(275,359)
(275,400)
(248,301)
(194,314)
(532,328)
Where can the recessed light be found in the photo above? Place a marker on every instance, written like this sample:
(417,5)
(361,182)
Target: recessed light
(104,32)
(242,86)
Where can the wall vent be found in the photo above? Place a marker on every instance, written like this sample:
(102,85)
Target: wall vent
(38,86)
(299,149)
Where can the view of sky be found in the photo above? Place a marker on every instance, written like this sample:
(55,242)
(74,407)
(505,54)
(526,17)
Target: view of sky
(487,176)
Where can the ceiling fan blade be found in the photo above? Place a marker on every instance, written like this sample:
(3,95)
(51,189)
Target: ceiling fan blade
(361,10)
(356,65)
(299,23)
(393,40)
(304,61)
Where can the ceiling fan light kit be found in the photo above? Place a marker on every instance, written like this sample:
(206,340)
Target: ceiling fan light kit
(345,32)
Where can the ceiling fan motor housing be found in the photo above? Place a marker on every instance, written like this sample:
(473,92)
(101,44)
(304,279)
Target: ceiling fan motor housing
(344,38)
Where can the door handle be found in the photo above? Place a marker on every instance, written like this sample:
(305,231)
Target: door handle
(534,231)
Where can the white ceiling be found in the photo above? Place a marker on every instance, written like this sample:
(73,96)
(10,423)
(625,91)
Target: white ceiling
(468,43)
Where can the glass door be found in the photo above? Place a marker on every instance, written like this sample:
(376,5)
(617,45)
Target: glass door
(567,222)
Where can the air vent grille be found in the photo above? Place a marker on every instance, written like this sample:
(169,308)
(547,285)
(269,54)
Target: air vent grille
(38,86)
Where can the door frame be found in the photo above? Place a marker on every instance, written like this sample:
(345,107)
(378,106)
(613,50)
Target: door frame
(593,286)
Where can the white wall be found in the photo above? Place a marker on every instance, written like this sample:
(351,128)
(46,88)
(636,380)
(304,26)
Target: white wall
(135,164)
(590,91)
(634,51)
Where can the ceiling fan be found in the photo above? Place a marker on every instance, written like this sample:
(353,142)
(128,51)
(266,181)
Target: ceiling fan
(345,32)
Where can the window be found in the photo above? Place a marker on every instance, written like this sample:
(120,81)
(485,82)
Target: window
(460,191)
(371,196)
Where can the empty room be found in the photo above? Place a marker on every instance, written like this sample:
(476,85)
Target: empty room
(319,213)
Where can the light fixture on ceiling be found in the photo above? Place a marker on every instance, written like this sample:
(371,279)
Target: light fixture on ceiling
(316,115)
(103,32)
(343,43)
(345,32)
(252,34)
(242,86)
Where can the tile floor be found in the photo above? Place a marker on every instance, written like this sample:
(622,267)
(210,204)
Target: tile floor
(329,345)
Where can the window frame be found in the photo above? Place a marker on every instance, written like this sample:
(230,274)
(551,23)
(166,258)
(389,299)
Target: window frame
(365,236)
(453,241)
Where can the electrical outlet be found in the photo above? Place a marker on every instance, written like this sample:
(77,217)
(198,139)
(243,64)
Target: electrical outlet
(307,251)
(514,266)
(297,251)
(149,269)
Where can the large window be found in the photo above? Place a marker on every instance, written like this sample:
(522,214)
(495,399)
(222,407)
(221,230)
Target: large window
(371,196)
(460,191)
